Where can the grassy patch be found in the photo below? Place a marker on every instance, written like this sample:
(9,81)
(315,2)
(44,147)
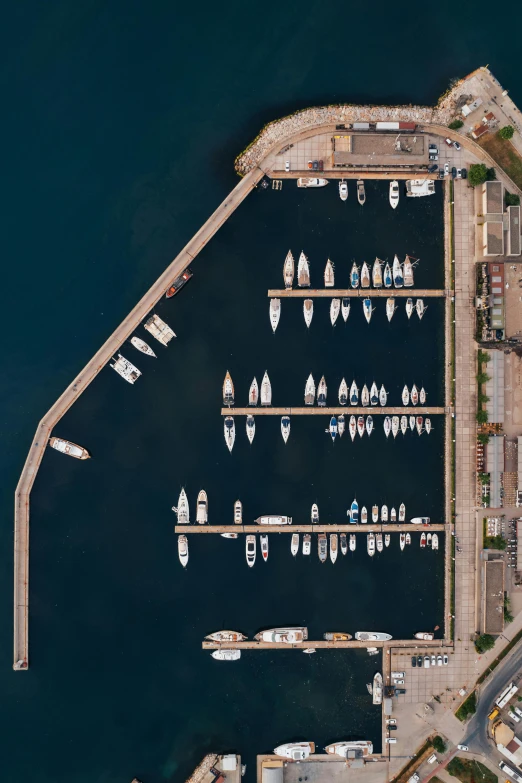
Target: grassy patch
(505,155)
(407,771)
(470,771)
(467,708)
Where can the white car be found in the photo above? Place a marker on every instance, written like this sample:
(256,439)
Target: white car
(433,660)
(459,174)
(446,169)
(287,165)
(399,682)
(439,660)
(398,674)
(462,747)
(391,722)
(445,660)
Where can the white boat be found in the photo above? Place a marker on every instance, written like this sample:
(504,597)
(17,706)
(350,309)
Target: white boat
(228,390)
(321,393)
(182,509)
(414,395)
(309,396)
(354,512)
(250,550)
(275,313)
(333,547)
(408,539)
(407,271)
(370,544)
(377,273)
(266,390)
(303,272)
(322,547)
(202,508)
(238,512)
(402,512)
(420,187)
(343,544)
(354,394)
(384,513)
(352,427)
(230,432)
(377,688)
(369,425)
(404,424)
(398,280)
(332,428)
(290,635)
(361,193)
(419,306)
(390,308)
(428,539)
(395,426)
(315,514)
(412,423)
(343,190)
(394,193)
(374,394)
(307,544)
(427,425)
(229,535)
(387,426)
(393,515)
(309,651)
(353,750)
(311,182)
(367,309)
(69,448)
(183,552)
(425,637)
(142,346)
(420,521)
(387,539)
(160,330)
(354,276)
(294,544)
(360,426)
(289,270)
(387,276)
(409,307)
(343,392)
(253,394)
(402,541)
(226,655)
(364,515)
(378,542)
(250,427)
(335,307)
(295,751)
(345,308)
(273,519)
(405,395)
(329,276)
(285,427)
(375,514)
(419,421)
(383,396)
(308,311)
(128,371)
(423,541)
(365,396)
(422,396)
(365,275)
(352,542)
(226,636)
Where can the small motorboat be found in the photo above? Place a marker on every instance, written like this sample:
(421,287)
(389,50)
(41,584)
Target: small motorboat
(142,346)
(354,512)
(421,309)
(264,547)
(230,432)
(367,309)
(428,539)
(387,276)
(360,426)
(202,508)
(285,427)
(295,751)
(344,544)
(409,308)
(412,423)
(289,270)
(226,655)
(333,547)
(354,276)
(383,396)
(229,535)
(420,520)
(275,313)
(303,272)
(294,544)
(390,308)
(183,552)
(384,513)
(369,425)
(408,539)
(343,190)
(423,540)
(419,421)
(375,514)
(414,395)
(404,424)
(361,193)
(315,514)
(345,308)
(321,393)
(266,390)
(395,426)
(322,547)
(377,273)
(238,513)
(387,539)
(365,396)
(226,636)
(354,394)
(352,427)
(352,542)
(309,651)
(228,390)
(425,637)
(329,276)
(402,512)
(394,193)
(250,427)
(364,515)
(253,394)
(309,396)
(250,550)
(307,544)
(335,307)
(370,544)
(422,396)
(341,425)
(365,275)
(374,394)
(308,310)
(402,541)
(405,395)
(387,426)
(393,514)
(343,392)
(378,542)
(398,279)
(427,425)
(332,428)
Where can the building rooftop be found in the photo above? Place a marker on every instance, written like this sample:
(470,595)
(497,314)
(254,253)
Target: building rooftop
(363,149)
(494,239)
(494,193)
(493,611)
(514,240)
(495,387)
(495,468)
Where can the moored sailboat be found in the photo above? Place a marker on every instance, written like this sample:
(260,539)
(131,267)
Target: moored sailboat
(228,390)
(408,272)
(230,432)
(285,427)
(253,394)
(377,273)
(303,272)
(365,275)
(335,306)
(367,309)
(374,394)
(352,427)
(309,396)
(395,426)
(202,508)
(341,425)
(414,395)
(398,280)
(375,514)
(250,427)
(266,390)
(354,394)
(360,426)
(289,270)
(332,428)
(383,396)
(354,276)
(387,426)
(321,393)
(390,308)
(308,311)
(343,392)
(344,544)
(402,512)
(404,424)
(275,313)
(421,309)
(409,307)
(329,276)
(369,425)
(142,346)
(365,396)
(405,395)
(345,308)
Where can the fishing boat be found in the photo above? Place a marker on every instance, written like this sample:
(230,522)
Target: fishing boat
(332,428)
(343,392)
(230,432)
(253,394)
(420,520)
(408,272)
(421,309)
(343,543)
(394,193)
(427,425)
(374,394)
(333,547)
(238,512)
(321,393)
(375,514)
(69,448)
(250,427)
(178,283)
(341,425)
(370,544)
(183,552)
(335,307)
(294,544)
(337,636)
(307,544)
(419,421)
(354,512)
(402,541)
(414,395)
(182,509)
(266,390)
(405,395)
(365,396)
(303,272)
(395,426)
(402,512)
(422,396)
(377,273)
(275,313)
(390,308)
(228,390)
(360,425)
(387,539)
(361,193)
(369,425)
(289,270)
(250,550)
(352,427)
(423,540)
(202,508)
(364,515)
(412,423)
(352,542)
(142,346)
(387,276)
(354,394)
(309,396)
(354,276)
(226,655)
(387,426)
(308,311)
(404,424)
(315,514)
(329,276)
(229,535)
(367,309)
(285,427)
(226,636)
(343,190)
(393,514)
(322,547)
(365,275)
(295,751)
(384,513)
(398,280)
(383,396)
(409,307)
(378,542)
(345,308)
(408,539)
(425,637)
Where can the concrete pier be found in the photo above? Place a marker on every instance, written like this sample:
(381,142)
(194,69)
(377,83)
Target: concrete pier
(353,644)
(356,293)
(348,410)
(385,527)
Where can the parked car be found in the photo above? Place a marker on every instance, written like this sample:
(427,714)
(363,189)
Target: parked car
(441,174)
(454,172)
(433,156)
(287,165)
(446,169)
(321,165)
(439,660)
(456,145)
(432,758)
(433,660)
(413,661)
(426,661)
(445,659)
(399,682)
(464,173)
(433,148)
(462,747)
(400,691)
(391,722)
(398,674)
(459,173)
(310,164)
(392,728)
(391,741)
(419,660)
(315,165)
(449,142)
(433,168)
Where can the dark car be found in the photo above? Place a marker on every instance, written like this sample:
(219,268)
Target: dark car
(414,661)
(441,173)
(400,691)
(315,165)
(456,145)
(321,165)
(419,660)
(433,168)
(392,728)
(454,172)
(464,173)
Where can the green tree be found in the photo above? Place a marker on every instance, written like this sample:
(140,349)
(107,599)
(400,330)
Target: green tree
(478,173)
(455,125)
(483,438)
(490,174)
(484,643)
(506,132)
(512,200)
(483,356)
(482,417)
(438,744)
(482,377)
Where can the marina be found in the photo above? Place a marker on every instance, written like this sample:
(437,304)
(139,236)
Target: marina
(390,527)
(352,644)
(356,293)
(310,410)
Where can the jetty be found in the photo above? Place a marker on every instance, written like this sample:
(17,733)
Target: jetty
(315,410)
(385,527)
(353,644)
(357,293)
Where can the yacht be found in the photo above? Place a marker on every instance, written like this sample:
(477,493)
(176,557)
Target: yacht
(69,448)
(126,369)
(372,636)
(412,423)
(367,309)
(423,541)
(329,277)
(352,427)
(345,308)
(414,395)
(383,396)
(289,270)
(228,390)
(333,547)
(253,394)
(322,547)
(365,396)
(294,544)
(375,514)
(352,542)
(408,272)
(182,509)
(354,513)
(387,539)
(402,512)
(142,346)
(384,513)
(387,426)
(312,182)
(343,392)
(394,193)
(332,428)
(427,425)
(226,636)
(393,515)
(364,515)
(290,635)
(315,514)
(202,508)
(419,421)
(250,427)
(405,395)
(321,393)
(419,306)
(404,424)
(238,512)
(409,307)
(360,426)
(390,308)
(387,276)
(402,541)
(275,313)
(335,307)
(354,394)
(361,193)
(398,280)
(425,637)
(303,272)
(365,275)
(230,432)
(226,655)
(416,188)
(395,426)
(307,544)
(273,519)
(422,396)
(351,750)
(369,425)
(377,273)
(266,390)
(420,521)
(160,330)
(354,276)
(343,190)
(295,751)
(183,552)
(250,550)
(309,396)
(370,544)
(285,427)
(378,541)
(308,310)
(374,394)
(343,543)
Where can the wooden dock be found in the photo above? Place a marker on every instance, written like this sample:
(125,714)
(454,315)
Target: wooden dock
(357,293)
(348,410)
(353,644)
(385,527)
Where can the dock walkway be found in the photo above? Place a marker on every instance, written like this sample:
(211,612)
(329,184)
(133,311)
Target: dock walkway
(385,527)
(314,410)
(358,293)
(319,645)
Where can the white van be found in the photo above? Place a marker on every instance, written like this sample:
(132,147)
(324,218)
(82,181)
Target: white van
(519,712)
(391,741)
(432,759)
(513,715)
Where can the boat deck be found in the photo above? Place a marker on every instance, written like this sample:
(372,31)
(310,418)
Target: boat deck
(385,527)
(348,410)
(359,293)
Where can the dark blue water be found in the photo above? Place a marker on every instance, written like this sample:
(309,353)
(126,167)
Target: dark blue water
(120,124)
